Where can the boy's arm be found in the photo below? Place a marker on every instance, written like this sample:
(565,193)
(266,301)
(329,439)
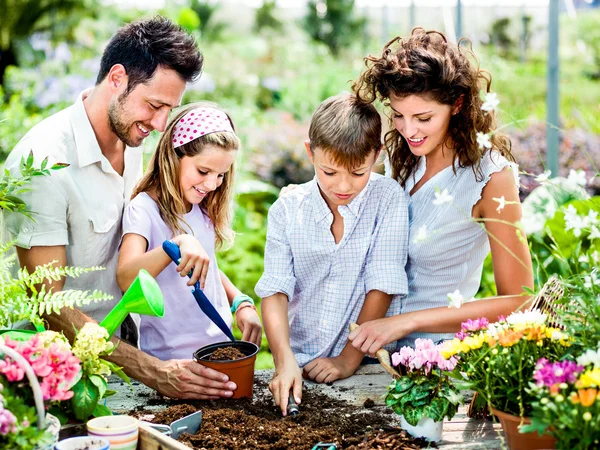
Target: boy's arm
(325,370)
(287,373)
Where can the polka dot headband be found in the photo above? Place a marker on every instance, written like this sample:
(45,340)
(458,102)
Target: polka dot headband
(199,122)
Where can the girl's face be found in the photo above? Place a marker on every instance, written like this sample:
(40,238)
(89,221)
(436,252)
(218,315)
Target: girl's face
(203,173)
(422,123)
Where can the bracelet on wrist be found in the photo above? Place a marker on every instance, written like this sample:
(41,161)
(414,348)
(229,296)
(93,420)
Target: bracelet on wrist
(238,300)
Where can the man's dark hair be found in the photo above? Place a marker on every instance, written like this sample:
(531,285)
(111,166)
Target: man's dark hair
(144,45)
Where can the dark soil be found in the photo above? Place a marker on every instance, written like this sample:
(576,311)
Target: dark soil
(226,354)
(257,424)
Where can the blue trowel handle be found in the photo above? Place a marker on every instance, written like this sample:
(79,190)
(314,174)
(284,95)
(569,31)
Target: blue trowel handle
(172,249)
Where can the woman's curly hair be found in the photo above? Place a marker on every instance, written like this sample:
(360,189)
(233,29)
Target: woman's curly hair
(426,64)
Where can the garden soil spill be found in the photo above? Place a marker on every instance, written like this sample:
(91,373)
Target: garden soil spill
(257,424)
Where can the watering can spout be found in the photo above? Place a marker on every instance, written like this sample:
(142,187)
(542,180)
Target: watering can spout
(143,297)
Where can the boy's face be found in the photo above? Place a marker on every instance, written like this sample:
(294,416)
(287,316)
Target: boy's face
(339,185)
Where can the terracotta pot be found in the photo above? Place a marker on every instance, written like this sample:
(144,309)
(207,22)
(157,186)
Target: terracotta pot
(240,371)
(522,441)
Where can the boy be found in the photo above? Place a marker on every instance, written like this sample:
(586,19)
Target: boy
(335,253)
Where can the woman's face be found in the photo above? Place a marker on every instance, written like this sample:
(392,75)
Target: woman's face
(203,173)
(422,123)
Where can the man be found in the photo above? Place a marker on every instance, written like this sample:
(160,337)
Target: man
(78,210)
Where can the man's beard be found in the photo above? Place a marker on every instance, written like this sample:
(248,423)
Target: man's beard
(118,125)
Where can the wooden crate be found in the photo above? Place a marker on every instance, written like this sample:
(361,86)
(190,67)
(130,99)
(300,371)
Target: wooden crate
(150,439)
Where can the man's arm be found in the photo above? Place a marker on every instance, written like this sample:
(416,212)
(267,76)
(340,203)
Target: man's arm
(173,378)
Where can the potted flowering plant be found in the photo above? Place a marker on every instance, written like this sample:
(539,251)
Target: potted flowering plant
(568,401)
(42,369)
(497,361)
(424,394)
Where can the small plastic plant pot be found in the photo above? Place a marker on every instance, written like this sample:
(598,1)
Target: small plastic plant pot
(240,371)
(120,431)
(83,443)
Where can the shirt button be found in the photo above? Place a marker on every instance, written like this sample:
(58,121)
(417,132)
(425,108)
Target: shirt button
(26,229)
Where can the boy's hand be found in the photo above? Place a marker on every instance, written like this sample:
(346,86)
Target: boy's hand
(193,258)
(326,370)
(249,324)
(284,379)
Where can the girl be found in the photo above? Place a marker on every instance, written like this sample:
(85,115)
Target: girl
(186,196)
(463,189)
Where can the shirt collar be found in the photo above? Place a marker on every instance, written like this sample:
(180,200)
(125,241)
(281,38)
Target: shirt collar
(88,150)
(321,209)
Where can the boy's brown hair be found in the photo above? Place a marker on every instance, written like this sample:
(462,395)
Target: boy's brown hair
(346,128)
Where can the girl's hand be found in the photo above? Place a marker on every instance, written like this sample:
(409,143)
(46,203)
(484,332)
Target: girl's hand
(249,323)
(193,259)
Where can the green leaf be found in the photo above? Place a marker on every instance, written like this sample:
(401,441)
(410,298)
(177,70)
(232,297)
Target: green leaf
(536,424)
(29,162)
(118,371)
(403,384)
(59,166)
(412,415)
(100,383)
(101,410)
(85,399)
(44,163)
(437,409)
(109,393)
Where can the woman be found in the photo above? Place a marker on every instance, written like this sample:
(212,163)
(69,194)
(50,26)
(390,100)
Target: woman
(463,184)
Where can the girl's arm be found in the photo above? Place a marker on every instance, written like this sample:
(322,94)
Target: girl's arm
(246,315)
(133,257)
(512,270)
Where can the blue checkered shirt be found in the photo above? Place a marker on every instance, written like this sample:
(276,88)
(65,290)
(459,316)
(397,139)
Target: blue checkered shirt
(326,283)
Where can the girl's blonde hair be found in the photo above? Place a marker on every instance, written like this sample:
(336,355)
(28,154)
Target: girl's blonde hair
(427,64)
(163,173)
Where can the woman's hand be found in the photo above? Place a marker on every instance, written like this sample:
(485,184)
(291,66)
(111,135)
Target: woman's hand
(193,259)
(249,324)
(374,334)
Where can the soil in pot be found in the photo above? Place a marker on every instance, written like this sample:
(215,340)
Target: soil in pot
(226,354)
(244,424)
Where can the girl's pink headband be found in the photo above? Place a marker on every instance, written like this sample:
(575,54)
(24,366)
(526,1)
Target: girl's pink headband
(199,122)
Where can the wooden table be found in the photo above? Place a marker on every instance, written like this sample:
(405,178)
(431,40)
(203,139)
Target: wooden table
(369,382)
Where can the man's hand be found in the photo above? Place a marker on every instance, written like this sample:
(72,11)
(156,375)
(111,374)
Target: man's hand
(193,258)
(187,379)
(326,370)
(287,377)
(249,324)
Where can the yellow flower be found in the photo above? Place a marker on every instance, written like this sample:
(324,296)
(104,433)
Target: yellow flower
(474,342)
(450,348)
(590,378)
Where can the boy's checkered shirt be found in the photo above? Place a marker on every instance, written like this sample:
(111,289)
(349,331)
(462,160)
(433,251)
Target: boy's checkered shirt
(326,283)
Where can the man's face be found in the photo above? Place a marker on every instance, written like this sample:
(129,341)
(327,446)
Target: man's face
(132,117)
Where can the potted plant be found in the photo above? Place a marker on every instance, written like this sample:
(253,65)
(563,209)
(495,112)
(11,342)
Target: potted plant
(567,404)
(423,395)
(39,370)
(497,361)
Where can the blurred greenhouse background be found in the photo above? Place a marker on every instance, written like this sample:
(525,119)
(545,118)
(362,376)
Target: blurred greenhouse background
(270,63)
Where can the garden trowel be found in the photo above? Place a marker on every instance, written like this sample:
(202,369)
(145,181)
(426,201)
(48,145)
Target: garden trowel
(383,357)
(188,424)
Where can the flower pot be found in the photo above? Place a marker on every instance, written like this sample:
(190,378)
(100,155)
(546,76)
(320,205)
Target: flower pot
(522,441)
(53,427)
(83,443)
(120,431)
(240,371)
(426,428)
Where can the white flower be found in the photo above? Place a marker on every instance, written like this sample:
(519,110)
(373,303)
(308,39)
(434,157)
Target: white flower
(491,102)
(589,281)
(577,177)
(543,177)
(442,197)
(501,203)
(584,259)
(596,256)
(456,299)
(525,318)
(594,233)
(421,234)
(483,140)
(575,222)
(590,357)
